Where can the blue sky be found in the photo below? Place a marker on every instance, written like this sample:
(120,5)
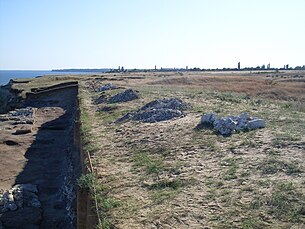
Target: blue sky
(49,34)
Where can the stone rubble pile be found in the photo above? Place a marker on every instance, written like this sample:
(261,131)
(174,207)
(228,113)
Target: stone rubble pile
(124,96)
(158,110)
(20,116)
(231,124)
(20,207)
(19,196)
(108,86)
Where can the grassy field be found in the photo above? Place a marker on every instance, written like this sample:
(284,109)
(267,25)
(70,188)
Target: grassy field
(171,175)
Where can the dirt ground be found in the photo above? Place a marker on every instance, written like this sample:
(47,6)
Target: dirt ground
(170,174)
(42,156)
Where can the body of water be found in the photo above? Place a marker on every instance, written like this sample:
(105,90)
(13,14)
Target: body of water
(6,75)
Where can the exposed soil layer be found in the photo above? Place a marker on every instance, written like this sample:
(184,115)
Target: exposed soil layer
(43,154)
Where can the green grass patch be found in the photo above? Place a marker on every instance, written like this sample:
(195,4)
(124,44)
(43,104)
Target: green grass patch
(163,195)
(230,173)
(108,203)
(87,181)
(171,184)
(144,160)
(274,165)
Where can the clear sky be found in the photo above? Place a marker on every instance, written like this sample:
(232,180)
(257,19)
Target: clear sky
(50,34)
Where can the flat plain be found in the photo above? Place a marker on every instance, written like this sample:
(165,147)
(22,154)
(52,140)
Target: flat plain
(171,174)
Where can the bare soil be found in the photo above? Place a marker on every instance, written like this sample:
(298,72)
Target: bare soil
(43,156)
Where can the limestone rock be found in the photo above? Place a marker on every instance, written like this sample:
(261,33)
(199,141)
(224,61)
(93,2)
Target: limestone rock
(225,126)
(158,110)
(106,87)
(231,124)
(256,124)
(208,119)
(156,115)
(20,116)
(124,96)
(19,196)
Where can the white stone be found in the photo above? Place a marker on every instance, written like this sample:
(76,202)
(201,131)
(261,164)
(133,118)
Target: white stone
(10,197)
(232,124)
(107,86)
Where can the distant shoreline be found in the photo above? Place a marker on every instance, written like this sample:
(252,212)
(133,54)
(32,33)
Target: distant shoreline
(82,70)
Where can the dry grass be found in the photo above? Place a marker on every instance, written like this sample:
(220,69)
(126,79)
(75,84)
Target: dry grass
(249,85)
(171,175)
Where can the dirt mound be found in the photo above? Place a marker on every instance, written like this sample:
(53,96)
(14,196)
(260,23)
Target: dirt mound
(158,110)
(124,96)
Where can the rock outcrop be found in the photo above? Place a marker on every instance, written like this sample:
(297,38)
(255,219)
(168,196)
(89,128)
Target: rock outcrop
(108,86)
(231,124)
(124,96)
(20,116)
(20,207)
(158,110)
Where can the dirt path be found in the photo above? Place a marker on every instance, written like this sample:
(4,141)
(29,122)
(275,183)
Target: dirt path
(43,157)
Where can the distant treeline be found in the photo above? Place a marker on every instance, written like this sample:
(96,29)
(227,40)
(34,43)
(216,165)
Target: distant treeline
(111,70)
(82,70)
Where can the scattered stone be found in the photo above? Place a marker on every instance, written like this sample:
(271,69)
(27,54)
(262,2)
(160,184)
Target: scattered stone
(25,112)
(157,115)
(231,124)
(208,119)
(101,99)
(256,124)
(108,86)
(20,116)
(124,96)
(18,197)
(158,110)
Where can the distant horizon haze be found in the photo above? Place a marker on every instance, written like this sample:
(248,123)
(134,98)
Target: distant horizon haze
(140,34)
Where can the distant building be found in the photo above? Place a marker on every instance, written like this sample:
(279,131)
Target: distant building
(268,66)
(186,67)
(287,66)
(238,66)
(155,67)
(122,69)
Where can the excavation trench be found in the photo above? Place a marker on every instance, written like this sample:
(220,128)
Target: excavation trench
(49,156)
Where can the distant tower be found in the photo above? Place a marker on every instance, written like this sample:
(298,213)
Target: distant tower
(287,66)
(238,65)
(268,66)
(119,68)
(155,67)
(122,69)
(187,67)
